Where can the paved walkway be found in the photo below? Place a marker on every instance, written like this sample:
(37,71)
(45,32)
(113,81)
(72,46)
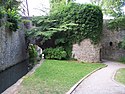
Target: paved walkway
(101,82)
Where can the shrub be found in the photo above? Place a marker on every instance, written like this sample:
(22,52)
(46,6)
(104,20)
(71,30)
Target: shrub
(32,55)
(55,53)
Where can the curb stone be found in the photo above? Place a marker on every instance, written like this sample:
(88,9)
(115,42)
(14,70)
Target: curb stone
(113,79)
(80,81)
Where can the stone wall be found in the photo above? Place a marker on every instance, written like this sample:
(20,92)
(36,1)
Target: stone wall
(110,41)
(12,48)
(86,51)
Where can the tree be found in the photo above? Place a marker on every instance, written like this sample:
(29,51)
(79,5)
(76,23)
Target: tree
(9,10)
(55,4)
(111,7)
(10,4)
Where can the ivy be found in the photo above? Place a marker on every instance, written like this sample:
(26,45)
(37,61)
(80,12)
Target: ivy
(70,24)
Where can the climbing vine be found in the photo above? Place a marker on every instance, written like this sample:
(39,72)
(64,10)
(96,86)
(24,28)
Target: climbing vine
(70,24)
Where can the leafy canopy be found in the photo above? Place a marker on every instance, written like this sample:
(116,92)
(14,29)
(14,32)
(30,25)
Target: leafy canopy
(9,10)
(111,7)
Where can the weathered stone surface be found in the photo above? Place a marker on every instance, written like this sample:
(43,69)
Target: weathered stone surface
(110,41)
(12,47)
(86,51)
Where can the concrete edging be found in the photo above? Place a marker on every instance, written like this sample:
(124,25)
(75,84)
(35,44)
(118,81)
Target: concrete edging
(80,81)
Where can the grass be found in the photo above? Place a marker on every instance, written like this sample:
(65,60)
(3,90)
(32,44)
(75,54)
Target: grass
(56,77)
(120,76)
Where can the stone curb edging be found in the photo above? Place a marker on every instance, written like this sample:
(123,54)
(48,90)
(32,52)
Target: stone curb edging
(35,67)
(14,88)
(80,81)
(113,79)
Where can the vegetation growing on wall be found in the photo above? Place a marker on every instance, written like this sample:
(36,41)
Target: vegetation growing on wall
(9,11)
(117,23)
(70,24)
(32,55)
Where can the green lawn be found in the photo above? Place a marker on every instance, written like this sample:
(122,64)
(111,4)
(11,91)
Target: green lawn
(120,76)
(56,77)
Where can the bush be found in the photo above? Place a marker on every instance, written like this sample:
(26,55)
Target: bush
(55,53)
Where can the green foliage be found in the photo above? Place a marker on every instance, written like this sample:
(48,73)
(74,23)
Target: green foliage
(2,12)
(75,21)
(117,23)
(70,24)
(122,59)
(32,54)
(111,7)
(9,11)
(32,51)
(56,4)
(122,44)
(26,23)
(10,4)
(13,19)
(115,9)
(55,53)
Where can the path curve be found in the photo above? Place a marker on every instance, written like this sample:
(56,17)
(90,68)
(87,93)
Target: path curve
(101,82)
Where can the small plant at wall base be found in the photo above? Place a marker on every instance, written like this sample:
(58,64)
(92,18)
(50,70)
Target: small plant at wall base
(32,55)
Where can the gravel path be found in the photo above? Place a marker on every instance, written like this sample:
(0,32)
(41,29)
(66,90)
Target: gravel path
(101,82)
